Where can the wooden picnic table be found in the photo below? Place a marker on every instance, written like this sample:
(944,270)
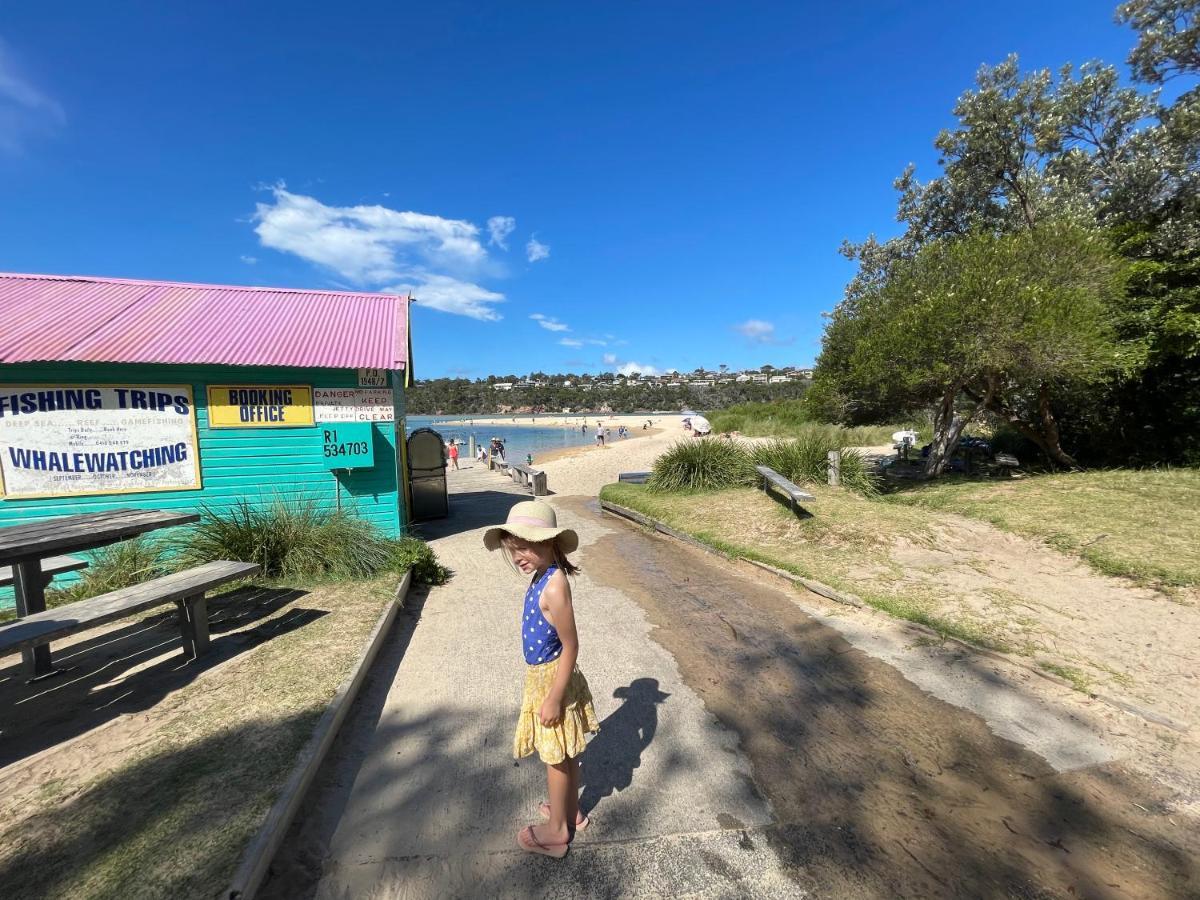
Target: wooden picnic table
(25,546)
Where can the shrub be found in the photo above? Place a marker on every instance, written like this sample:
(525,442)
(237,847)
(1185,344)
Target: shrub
(413,553)
(114,567)
(702,465)
(805,458)
(298,539)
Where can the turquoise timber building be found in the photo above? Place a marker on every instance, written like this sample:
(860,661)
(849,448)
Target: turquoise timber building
(118,393)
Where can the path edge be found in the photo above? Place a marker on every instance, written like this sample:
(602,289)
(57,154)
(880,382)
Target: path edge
(826,591)
(257,857)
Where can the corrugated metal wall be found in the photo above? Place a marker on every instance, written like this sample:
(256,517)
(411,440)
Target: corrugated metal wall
(258,464)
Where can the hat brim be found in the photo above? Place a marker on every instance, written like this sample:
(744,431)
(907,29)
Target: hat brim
(568,540)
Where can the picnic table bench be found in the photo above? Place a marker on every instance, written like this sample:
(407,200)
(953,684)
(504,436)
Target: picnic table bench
(772,479)
(534,479)
(185,588)
(25,547)
(54,565)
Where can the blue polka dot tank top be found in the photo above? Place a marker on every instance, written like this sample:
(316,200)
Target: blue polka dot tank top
(539,639)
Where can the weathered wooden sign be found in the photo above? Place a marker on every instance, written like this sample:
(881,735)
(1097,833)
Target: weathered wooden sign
(71,439)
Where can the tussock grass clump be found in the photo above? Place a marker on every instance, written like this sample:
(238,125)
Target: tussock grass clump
(301,539)
(805,458)
(114,567)
(702,465)
(713,464)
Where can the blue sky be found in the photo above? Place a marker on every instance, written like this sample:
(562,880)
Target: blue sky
(664,184)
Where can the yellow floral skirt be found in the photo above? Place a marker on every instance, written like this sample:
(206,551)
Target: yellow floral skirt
(566,739)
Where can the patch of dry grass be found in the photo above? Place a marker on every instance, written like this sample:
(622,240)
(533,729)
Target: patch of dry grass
(847,546)
(170,810)
(1143,524)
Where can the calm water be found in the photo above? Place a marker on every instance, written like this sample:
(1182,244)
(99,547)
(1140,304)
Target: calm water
(520,437)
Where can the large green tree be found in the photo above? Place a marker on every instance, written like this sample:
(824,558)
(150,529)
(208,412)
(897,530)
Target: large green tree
(1008,324)
(1032,147)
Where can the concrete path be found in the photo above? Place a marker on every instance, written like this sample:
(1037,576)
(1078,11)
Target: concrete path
(423,798)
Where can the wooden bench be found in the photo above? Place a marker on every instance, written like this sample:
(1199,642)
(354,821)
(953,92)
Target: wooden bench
(186,589)
(633,477)
(771,478)
(54,565)
(534,479)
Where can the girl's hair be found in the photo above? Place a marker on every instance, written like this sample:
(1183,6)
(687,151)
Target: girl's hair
(560,559)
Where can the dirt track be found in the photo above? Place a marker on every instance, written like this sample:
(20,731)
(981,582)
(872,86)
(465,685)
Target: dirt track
(879,789)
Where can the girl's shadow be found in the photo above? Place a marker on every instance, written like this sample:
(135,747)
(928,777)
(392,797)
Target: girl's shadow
(617,750)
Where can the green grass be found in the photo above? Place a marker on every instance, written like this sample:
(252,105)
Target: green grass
(290,541)
(789,419)
(804,459)
(111,568)
(702,465)
(715,463)
(846,545)
(1078,678)
(1142,524)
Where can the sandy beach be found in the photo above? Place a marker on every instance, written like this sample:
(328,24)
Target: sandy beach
(584,470)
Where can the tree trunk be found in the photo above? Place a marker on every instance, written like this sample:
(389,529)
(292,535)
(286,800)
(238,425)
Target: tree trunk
(1050,430)
(1044,432)
(947,429)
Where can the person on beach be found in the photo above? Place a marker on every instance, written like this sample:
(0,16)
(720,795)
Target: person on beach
(556,703)
(453,454)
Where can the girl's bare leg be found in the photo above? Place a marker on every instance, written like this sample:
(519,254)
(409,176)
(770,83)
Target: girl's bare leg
(558,783)
(572,812)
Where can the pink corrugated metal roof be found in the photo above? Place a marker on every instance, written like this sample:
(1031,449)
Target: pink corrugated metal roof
(83,319)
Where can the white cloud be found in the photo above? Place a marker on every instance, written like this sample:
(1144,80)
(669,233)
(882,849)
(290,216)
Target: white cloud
(450,295)
(500,227)
(550,323)
(249,260)
(369,244)
(536,250)
(24,110)
(571,342)
(757,331)
(612,361)
(439,260)
(630,367)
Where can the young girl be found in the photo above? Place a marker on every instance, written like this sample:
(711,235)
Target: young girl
(556,707)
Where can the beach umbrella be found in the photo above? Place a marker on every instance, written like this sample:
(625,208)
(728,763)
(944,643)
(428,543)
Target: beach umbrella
(701,425)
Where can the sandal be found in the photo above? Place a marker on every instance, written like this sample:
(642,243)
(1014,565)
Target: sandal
(544,809)
(530,844)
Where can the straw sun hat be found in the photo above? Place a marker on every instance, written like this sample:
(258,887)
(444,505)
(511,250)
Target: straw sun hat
(533,521)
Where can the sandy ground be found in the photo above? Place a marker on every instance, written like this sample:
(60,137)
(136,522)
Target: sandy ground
(584,470)
(749,746)
(1133,643)
(997,787)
